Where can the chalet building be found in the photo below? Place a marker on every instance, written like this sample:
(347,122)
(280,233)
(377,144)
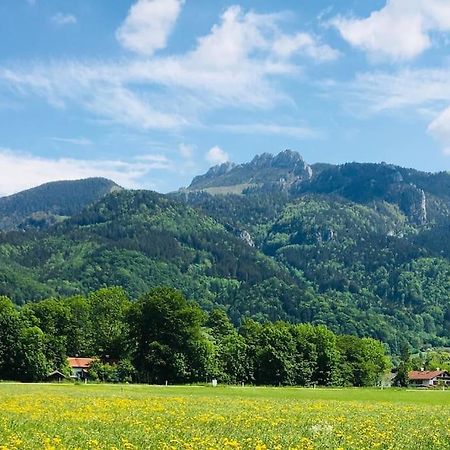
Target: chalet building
(80,367)
(429,378)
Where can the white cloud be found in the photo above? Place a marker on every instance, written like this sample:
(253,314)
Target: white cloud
(216,155)
(74,141)
(439,128)
(186,150)
(400,89)
(63,19)
(299,132)
(237,64)
(160,162)
(303,43)
(100,89)
(423,92)
(121,105)
(22,171)
(401,30)
(231,42)
(148,25)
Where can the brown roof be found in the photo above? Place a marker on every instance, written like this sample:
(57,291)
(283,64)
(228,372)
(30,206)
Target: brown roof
(80,363)
(425,374)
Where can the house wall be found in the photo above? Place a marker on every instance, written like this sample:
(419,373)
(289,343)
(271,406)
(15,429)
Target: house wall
(421,383)
(429,383)
(77,372)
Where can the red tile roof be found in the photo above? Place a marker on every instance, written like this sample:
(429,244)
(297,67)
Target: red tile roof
(80,363)
(425,374)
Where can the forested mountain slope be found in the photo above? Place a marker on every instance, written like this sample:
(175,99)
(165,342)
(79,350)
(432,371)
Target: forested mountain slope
(362,248)
(135,239)
(422,197)
(372,239)
(46,204)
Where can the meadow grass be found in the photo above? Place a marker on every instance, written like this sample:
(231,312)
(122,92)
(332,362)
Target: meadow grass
(56,417)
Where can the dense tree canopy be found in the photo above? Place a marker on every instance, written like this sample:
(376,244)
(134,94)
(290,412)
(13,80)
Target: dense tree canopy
(164,337)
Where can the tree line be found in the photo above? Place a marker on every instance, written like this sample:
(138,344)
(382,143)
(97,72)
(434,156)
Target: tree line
(165,337)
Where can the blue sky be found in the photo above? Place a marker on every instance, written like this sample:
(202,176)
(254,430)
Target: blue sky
(153,92)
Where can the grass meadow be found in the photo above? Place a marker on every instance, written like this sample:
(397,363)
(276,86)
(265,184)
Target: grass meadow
(56,417)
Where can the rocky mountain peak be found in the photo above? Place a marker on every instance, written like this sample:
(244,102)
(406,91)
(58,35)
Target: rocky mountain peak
(221,169)
(288,159)
(279,171)
(262,160)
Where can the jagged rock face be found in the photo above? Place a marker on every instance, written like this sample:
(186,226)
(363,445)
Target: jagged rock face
(323,236)
(289,160)
(221,169)
(213,172)
(414,204)
(423,208)
(267,171)
(263,160)
(246,237)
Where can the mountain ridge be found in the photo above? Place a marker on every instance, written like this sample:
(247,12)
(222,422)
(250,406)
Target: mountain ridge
(283,169)
(414,191)
(46,204)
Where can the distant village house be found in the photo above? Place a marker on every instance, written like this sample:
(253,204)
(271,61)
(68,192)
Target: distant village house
(80,367)
(429,378)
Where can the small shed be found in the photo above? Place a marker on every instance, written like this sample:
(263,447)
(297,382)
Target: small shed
(56,375)
(429,378)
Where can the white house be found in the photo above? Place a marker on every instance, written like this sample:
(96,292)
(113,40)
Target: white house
(429,378)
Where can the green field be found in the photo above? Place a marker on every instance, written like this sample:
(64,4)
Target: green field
(143,417)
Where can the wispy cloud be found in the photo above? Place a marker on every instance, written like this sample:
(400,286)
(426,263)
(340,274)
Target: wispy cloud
(439,128)
(22,170)
(304,43)
(299,132)
(423,92)
(186,151)
(62,19)
(74,141)
(152,161)
(98,88)
(236,65)
(387,90)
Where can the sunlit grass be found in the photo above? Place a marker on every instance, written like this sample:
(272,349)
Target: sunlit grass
(143,417)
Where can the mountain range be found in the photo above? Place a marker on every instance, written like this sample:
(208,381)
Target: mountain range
(362,248)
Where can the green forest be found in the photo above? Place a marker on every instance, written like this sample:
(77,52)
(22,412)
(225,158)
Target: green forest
(164,337)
